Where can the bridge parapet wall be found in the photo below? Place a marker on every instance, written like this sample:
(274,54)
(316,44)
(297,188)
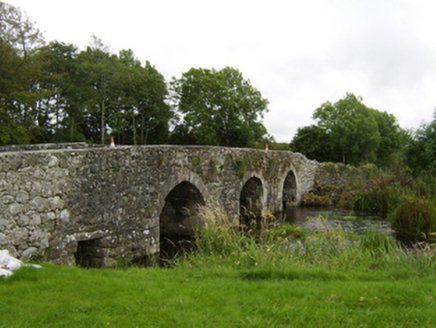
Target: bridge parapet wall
(47,146)
(54,201)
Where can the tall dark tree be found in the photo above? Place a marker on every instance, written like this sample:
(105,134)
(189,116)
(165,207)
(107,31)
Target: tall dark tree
(101,71)
(144,113)
(59,108)
(19,75)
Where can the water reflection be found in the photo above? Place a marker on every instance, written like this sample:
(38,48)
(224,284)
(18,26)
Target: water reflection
(350,221)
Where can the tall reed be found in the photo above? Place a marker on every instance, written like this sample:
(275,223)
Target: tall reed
(222,243)
(379,195)
(414,215)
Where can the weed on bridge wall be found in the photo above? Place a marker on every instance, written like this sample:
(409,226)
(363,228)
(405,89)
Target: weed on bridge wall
(239,165)
(268,165)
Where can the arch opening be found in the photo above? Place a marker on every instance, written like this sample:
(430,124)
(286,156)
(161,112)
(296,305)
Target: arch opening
(90,253)
(289,197)
(179,219)
(251,204)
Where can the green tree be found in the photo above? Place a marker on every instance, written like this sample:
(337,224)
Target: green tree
(218,108)
(103,76)
(19,75)
(144,114)
(59,107)
(314,142)
(420,152)
(350,132)
(392,139)
(352,128)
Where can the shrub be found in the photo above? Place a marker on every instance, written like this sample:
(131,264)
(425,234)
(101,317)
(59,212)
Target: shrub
(414,216)
(378,196)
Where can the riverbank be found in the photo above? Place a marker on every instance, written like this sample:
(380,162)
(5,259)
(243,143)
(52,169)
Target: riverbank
(281,276)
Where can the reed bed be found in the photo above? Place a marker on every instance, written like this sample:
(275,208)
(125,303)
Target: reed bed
(222,242)
(407,201)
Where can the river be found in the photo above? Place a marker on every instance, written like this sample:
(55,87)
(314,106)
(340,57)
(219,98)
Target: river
(349,220)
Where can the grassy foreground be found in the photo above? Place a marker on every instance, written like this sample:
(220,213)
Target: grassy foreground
(278,278)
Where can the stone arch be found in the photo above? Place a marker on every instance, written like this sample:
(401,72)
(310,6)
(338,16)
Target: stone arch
(262,185)
(251,201)
(289,195)
(178,215)
(178,218)
(176,179)
(90,249)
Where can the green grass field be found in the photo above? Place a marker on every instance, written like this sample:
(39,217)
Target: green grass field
(281,278)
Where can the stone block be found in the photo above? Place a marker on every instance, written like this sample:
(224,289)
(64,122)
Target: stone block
(47,189)
(39,173)
(3,239)
(53,161)
(39,204)
(39,239)
(22,197)
(19,237)
(109,262)
(7,199)
(56,203)
(29,253)
(35,189)
(36,218)
(15,209)
(22,220)
(65,216)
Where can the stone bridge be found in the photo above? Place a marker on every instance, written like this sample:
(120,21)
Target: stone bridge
(95,206)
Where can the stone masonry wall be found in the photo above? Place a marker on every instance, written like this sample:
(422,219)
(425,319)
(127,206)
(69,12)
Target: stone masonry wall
(55,202)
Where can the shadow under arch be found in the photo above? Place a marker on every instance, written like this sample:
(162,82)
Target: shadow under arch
(251,202)
(289,195)
(179,219)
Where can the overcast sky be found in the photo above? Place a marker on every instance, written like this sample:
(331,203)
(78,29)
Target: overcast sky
(298,54)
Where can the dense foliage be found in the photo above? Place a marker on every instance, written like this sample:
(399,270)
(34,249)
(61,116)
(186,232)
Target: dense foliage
(218,108)
(19,73)
(54,93)
(349,132)
(420,153)
(57,93)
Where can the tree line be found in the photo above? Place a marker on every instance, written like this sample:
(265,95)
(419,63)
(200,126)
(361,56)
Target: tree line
(56,93)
